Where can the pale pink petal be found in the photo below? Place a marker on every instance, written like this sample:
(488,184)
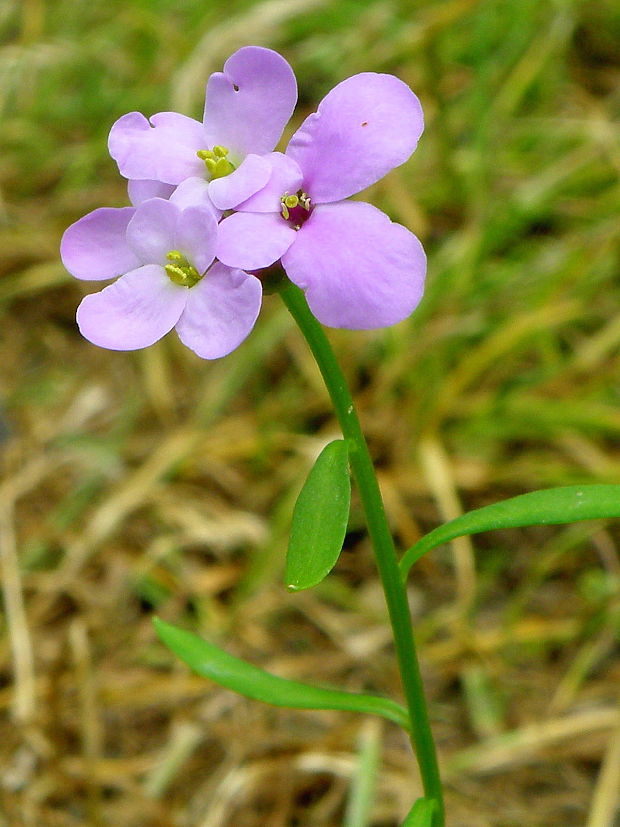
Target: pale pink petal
(220,312)
(95,247)
(286,177)
(250,102)
(162,150)
(195,235)
(194,192)
(151,232)
(248,178)
(134,312)
(359,270)
(253,240)
(142,190)
(363,128)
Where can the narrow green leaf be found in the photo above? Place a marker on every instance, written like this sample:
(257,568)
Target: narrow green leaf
(552,506)
(233,673)
(421,814)
(320,518)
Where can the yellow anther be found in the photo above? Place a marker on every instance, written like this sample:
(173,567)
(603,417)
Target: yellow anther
(180,271)
(222,168)
(216,162)
(289,202)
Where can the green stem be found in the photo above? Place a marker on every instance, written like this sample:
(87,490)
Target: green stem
(383,544)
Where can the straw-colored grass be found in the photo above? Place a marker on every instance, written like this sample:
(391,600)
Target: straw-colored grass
(153,482)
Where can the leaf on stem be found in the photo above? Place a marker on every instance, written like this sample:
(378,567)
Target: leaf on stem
(421,814)
(242,677)
(320,518)
(552,506)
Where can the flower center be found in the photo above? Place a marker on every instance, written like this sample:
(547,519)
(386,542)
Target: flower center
(180,271)
(295,208)
(216,162)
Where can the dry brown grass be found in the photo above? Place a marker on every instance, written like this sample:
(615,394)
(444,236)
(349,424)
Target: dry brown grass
(154,482)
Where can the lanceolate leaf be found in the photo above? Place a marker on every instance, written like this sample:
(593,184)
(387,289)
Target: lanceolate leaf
(421,814)
(550,507)
(233,673)
(320,518)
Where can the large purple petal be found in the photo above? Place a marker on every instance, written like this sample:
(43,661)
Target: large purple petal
(142,190)
(232,189)
(253,240)
(359,270)
(250,102)
(220,312)
(95,247)
(134,312)
(195,235)
(286,177)
(164,151)
(363,128)
(151,232)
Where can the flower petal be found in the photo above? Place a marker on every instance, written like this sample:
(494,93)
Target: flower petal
(363,128)
(95,247)
(162,150)
(142,190)
(134,312)
(220,312)
(359,270)
(195,235)
(286,177)
(194,192)
(248,178)
(253,240)
(151,232)
(250,102)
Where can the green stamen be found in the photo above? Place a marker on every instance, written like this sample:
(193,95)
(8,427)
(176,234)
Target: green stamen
(180,271)
(216,162)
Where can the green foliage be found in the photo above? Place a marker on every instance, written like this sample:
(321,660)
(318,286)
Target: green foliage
(421,814)
(549,507)
(320,518)
(233,673)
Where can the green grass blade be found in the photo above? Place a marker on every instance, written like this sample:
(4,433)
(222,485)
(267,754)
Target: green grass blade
(320,518)
(552,506)
(233,673)
(363,784)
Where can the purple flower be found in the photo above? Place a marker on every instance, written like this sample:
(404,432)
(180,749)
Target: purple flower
(358,269)
(247,106)
(164,256)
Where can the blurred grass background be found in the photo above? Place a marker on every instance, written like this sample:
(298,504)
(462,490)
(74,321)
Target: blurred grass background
(147,482)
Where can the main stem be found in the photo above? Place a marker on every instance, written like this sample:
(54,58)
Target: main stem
(383,544)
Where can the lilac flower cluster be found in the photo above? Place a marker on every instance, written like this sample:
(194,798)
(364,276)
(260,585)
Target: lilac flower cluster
(213,205)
